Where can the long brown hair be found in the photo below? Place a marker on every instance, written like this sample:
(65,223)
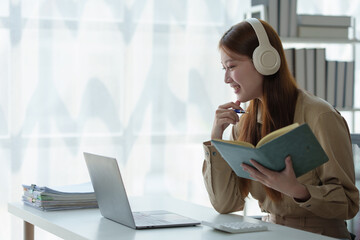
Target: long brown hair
(277,106)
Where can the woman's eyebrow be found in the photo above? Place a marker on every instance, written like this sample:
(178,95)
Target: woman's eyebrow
(235,60)
(229,60)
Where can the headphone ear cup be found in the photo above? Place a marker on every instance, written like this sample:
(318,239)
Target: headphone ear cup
(266,60)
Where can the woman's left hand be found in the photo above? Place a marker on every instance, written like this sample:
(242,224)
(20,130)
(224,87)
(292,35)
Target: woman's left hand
(284,181)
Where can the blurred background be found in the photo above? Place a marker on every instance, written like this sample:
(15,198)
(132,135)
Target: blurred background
(138,80)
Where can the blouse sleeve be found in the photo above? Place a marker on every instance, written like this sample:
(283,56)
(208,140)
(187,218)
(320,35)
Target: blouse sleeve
(221,182)
(335,196)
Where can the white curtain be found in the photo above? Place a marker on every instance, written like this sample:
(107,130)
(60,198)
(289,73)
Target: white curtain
(138,80)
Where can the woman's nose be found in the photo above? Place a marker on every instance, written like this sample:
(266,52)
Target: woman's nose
(227,79)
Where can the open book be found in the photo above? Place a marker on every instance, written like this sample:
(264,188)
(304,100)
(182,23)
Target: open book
(297,141)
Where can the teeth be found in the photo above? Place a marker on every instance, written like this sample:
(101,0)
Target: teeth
(236,87)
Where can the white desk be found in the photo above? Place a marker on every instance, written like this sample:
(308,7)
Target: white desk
(89,224)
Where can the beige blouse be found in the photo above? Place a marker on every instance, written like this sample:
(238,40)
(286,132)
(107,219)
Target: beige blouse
(334,195)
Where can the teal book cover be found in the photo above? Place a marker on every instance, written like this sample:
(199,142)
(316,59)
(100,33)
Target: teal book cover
(299,142)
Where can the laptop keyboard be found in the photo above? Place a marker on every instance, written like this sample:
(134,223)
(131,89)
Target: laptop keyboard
(142,219)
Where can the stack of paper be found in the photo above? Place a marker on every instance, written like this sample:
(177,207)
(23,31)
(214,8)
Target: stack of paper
(60,198)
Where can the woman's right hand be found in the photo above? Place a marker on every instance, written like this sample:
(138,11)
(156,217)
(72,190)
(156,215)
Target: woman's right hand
(224,116)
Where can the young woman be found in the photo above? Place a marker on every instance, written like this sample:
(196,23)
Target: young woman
(319,201)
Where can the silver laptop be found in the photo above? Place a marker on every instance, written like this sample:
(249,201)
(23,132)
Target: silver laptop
(113,201)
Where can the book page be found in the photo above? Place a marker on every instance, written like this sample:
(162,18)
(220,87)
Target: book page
(240,143)
(276,133)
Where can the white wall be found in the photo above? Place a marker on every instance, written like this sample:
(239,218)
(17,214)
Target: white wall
(138,80)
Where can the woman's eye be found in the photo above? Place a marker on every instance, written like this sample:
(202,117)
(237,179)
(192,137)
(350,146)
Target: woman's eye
(228,68)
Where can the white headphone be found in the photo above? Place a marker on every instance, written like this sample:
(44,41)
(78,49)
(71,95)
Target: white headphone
(265,57)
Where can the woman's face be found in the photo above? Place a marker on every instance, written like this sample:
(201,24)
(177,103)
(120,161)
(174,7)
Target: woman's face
(242,76)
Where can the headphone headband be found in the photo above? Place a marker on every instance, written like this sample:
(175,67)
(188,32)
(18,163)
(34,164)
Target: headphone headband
(259,31)
(266,58)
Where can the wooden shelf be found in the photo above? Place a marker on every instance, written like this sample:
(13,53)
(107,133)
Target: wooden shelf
(319,40)
(348,109)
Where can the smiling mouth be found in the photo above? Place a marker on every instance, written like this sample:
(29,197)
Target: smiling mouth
(236,88)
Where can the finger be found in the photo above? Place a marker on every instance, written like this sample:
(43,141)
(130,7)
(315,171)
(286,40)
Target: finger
(226,111)
(230,105)
(288,161)
(223,121)
(253,172)
(288,165)
(227,114)
(247,167)
(261,168)
(238,105)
